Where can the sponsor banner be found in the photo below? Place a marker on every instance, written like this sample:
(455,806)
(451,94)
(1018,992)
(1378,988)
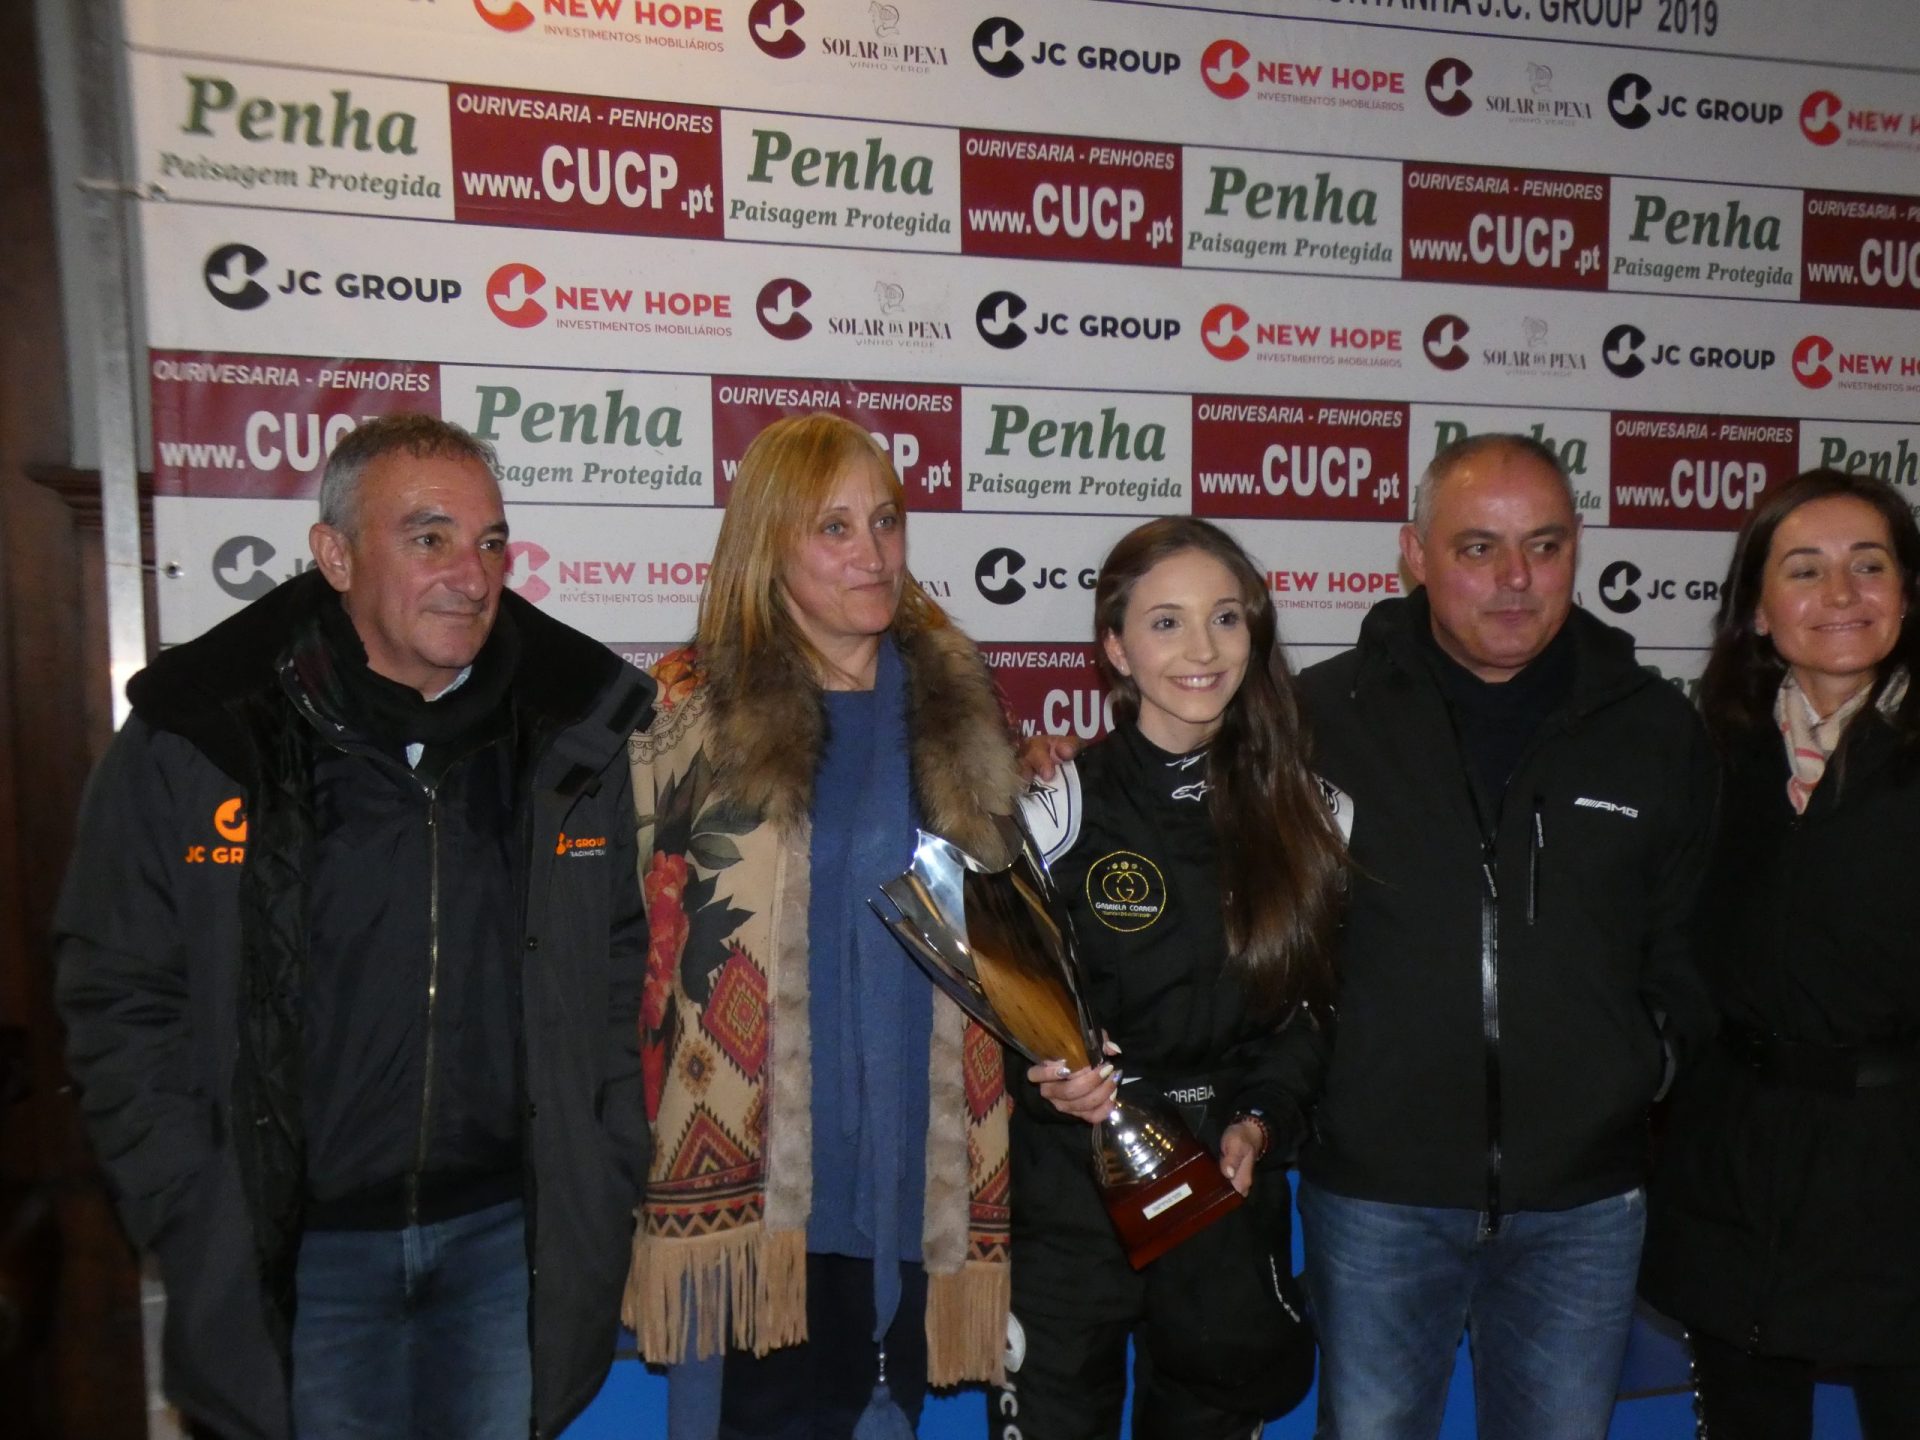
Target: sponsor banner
(1661,586)
(1524,351)
(1323,575)
(612,571)
(1460,99)
(1299,77)
(1006,581)
(1861,249)
(584,437)
(917,425)
(1578,439)
(263,425)
(1059,197)
(1002,583)
(840,182)
(585,162)
(212,556)
(1863,112)
(671,30)
(1073,451)
(219,278)
(1312,214)
(1310,459)
(1890,451)
(1697,472)
(1674,237)
(1255,330)
(1051,689)
(641,654)
(220,131)
(321,284)
(1840,30)
(1841,361)
(1506,227)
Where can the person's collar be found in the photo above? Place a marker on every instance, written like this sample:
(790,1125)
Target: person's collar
(1179,779)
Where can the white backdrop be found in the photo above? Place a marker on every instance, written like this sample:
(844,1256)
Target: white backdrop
(1076,264)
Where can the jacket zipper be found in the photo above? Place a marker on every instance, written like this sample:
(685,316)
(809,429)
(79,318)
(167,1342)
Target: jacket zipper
(433,995)
(1490,1020)
(1536,842)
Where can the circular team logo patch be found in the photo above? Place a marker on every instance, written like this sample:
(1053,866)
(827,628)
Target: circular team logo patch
(1127,891)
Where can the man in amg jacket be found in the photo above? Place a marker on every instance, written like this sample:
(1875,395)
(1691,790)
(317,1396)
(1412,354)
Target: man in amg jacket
(350,957)
(1530,813)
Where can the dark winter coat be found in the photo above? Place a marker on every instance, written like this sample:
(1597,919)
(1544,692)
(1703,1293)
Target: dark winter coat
(1505,992)
(182,936)
(1785,1213)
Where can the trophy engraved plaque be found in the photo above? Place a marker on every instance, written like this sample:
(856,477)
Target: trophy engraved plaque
(1000,945)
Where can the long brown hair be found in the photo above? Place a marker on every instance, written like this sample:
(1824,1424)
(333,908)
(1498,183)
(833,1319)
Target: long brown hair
(785,478)
(1744,671)
(1282,861)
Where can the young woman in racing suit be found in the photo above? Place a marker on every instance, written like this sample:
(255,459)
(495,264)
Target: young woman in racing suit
(1201,864)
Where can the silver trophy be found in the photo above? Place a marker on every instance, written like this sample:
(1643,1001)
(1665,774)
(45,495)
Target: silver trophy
(998,942)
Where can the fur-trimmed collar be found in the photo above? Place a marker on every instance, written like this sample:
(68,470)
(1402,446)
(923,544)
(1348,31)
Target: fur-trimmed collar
(769,724)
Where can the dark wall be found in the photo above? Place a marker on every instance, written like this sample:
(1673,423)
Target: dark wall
(71,1364)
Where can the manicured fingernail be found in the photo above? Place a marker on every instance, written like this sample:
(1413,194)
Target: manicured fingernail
(1106,1069)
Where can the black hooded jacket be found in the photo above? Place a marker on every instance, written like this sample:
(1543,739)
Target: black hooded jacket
(192,1000)
(1508,970)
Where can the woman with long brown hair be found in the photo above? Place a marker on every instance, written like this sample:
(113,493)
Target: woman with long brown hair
(827,1197)
(1781,1220)
(1201,863)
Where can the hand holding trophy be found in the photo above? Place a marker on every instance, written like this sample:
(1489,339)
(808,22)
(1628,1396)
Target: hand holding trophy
(1000,945)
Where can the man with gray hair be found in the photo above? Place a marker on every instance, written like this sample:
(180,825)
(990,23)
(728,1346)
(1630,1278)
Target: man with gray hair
(350,955)
(1530,817)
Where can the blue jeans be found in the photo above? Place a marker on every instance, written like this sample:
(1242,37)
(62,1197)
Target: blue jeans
(1546,1298)
(420,1332)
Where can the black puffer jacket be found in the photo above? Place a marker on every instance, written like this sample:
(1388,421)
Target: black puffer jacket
(1503,991)
(1785,1217)
(181,938)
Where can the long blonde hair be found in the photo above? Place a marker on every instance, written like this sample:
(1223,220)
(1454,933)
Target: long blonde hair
(785,479)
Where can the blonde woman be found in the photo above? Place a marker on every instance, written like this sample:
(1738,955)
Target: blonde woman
(827,1202)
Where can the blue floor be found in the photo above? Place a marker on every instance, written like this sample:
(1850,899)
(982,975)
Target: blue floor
(633,1406)
(633,1403)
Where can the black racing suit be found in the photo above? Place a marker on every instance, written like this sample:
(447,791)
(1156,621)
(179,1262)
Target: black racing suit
(1220,1342)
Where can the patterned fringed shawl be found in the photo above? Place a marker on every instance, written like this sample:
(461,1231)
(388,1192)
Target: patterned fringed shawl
(723,780)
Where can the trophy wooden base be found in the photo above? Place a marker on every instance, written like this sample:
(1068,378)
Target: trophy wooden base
(1155,1215)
